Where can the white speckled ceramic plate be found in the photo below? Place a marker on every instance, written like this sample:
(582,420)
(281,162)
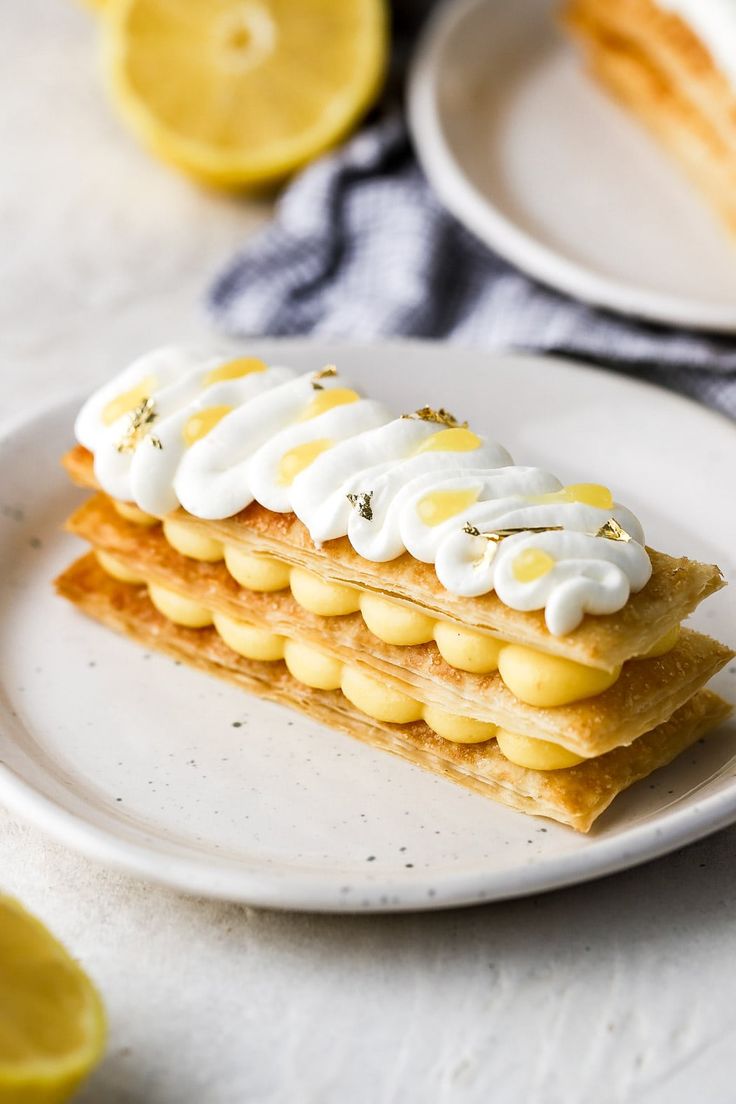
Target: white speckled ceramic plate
(179,778)
(526,150)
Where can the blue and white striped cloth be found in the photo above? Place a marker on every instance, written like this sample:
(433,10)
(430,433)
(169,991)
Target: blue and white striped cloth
(360,248)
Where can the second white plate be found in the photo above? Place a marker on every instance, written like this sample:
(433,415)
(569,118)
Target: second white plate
(524,148)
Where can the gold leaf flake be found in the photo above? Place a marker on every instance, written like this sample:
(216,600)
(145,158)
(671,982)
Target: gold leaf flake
(611,530)
(326,373)
(497,535)
(362,503)
(440,417)
(140,418)
(494,537)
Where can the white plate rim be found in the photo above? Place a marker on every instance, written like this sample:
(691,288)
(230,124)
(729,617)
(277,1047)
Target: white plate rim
(652,838)
(646,842)
(471,208)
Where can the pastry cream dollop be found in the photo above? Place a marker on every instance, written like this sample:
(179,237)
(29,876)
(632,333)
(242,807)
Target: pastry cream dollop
(117,569)
(532,676)
(379,698)
(213,434)
(255,571)
(547,680)
(527,751)
(132,513)
(190,542)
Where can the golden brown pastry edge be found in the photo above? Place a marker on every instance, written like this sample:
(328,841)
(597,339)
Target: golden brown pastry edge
(576,796)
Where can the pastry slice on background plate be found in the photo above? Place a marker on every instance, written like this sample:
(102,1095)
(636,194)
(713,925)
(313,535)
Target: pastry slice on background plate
(672,63)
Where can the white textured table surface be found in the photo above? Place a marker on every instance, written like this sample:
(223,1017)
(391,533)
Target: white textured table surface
(623,990)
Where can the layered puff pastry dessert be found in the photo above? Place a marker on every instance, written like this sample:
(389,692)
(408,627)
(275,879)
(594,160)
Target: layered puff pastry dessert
(673,64)
(399,578)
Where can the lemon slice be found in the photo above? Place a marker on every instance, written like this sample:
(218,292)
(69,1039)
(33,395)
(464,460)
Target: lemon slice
(243,92)
(52,1023)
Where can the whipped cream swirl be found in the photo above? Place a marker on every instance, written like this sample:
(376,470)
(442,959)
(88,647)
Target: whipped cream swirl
(346,467)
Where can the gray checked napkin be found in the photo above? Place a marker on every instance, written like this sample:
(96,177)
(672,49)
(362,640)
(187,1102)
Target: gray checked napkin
(360,248)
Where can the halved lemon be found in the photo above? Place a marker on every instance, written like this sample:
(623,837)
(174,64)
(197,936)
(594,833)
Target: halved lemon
(52,1022)
(243,92)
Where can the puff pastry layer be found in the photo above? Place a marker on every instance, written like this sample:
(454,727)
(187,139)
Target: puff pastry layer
(646,694)
(575,796)
(676,587)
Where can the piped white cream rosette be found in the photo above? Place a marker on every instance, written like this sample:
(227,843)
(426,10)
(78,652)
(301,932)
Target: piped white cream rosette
(590,574)
(214,479)
(270,486)
(380,463)
(149,373)
(196,429)
(174,382)
(397,526)
(576,571)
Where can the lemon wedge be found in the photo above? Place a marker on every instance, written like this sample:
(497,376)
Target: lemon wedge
(242,92)
(52,1023)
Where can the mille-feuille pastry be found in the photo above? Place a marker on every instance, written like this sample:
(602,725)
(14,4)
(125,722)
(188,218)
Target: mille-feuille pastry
(673,64)
(398,578)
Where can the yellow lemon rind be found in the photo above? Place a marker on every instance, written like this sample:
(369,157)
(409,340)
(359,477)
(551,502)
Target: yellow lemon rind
(45,1080)
(246,168)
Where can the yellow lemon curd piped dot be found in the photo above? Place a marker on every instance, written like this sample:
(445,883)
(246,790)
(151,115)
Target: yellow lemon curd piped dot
(665,644)
(296,460)
(378,699)
(546,680)
(457,729)
(180,610)
(52,1020)
(438,506)
(123,404)
(591,494)
(134,514)
(466,649)
(394,623)
(457,439)
(116,569)
(203,422)
(254,571)
(312,667)
(249,641)
(532,564)
(322,596)
(527,751)
(190,542)
(240,93)
(328,400)
(588,494)
(234,369)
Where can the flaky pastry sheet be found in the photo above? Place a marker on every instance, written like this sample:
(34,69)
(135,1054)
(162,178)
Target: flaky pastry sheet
(645,695)
(576,796)
(654,62)
(677,586)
